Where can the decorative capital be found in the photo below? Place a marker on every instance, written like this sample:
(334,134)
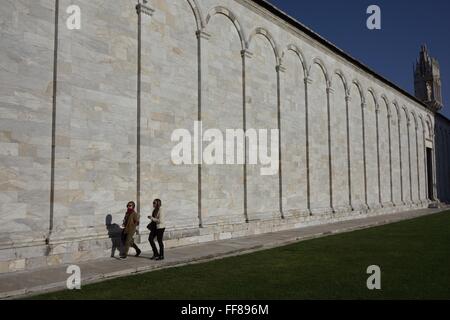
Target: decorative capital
(363,104)
(246,54)
(280,68)
(202,35)
(308,80)
(142,8)
(330,90)
(348,98)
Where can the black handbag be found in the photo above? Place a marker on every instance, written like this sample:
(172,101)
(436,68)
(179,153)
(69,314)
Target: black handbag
(151,226)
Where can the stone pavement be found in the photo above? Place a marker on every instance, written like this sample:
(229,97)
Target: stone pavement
(26,283)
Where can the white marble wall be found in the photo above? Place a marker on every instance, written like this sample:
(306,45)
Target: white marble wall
(26,82)
(197,60)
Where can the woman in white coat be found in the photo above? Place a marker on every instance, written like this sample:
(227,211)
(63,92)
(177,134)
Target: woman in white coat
(157,227)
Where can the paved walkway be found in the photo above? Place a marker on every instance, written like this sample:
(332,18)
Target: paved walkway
(27,283)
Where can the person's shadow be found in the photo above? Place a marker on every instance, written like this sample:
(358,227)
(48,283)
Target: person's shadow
(114,233)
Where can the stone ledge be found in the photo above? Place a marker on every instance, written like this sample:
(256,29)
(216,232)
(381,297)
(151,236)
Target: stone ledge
(31,258)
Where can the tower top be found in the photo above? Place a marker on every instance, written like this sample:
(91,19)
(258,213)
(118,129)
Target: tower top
(427,80)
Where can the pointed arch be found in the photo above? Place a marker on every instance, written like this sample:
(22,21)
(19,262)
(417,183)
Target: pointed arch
(422,122)
(405,110)
(339,131)
(397,154)
(373,93)
(397,110)
(357,145)
(416,160)
(322,66)
(423,169)
(429,122)
(388,105)
(385,152)
(298,52)
(265,33)
(408,165)
(230,15)
(372,149)
(319,125)
(341,75)
(414,118)
(360,89)
(197,14)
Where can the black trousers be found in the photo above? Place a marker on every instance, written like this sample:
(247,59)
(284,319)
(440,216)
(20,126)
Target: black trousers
(158,234)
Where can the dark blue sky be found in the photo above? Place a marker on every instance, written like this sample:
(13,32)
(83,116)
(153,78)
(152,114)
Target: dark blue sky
(390,51)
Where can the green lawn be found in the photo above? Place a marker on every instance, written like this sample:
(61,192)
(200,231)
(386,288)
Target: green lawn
(414,257)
